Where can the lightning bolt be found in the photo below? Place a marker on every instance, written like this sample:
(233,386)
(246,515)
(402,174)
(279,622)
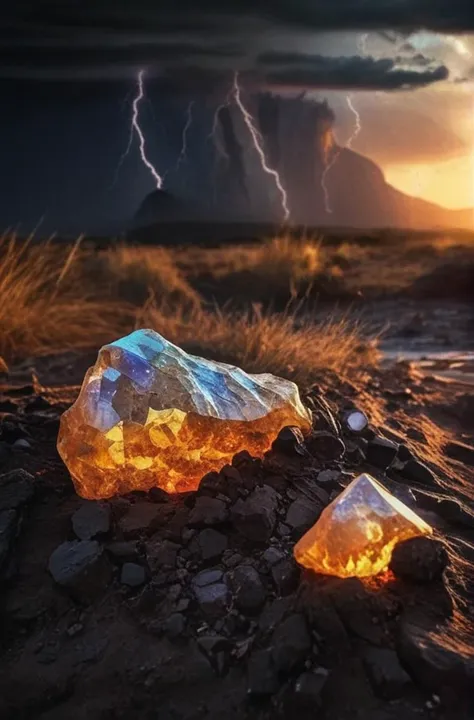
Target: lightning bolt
(141,138)
(257,143)
(357,125)
(184,146)
(347,146)
(214,134)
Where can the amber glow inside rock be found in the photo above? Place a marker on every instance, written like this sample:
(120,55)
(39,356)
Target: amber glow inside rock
(151,415)
(355,534)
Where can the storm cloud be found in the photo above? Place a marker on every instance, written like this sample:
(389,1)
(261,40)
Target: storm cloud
(107,39)
(367,73)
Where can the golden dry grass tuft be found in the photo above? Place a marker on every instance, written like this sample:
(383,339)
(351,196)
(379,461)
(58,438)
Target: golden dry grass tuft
(41,310)
(55,298)
(134,273)
(281,343)
(269,272)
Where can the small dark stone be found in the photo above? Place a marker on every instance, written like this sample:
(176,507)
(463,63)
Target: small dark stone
(325,446)
(132,575)
(274,613)
(212,644)
(262,674)
(210,544)
(142,518)
(289,441)
(420,559)
(405,454)
(388,679)
(157,495)
(306,697)
(161,554)
(211,484)
(213,599)
(355,421)
(286,575)
(431,663)
(175,625)
(208,511)
(455,513)
(291,643)
(207,577)
(92,518)
(80,566)
(460,451)
(16,488)
(123,550)
(21,445)
(242,458)
(329,479)
(302,514)
(417,471)
(255,517)
(272,556)
(381,452)
(248,589)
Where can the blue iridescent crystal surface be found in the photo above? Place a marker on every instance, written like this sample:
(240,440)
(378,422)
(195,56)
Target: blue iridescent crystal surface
(150,414)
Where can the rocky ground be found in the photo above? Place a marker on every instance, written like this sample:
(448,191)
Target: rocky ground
(184,608)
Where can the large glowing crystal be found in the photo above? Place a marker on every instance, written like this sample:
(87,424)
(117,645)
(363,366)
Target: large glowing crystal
(355,535)
(150,415)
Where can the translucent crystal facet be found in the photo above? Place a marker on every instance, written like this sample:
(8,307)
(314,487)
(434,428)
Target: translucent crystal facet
(151,415)
(355,535)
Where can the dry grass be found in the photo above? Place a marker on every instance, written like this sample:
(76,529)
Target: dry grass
(54,298)
(277,343)
(270,272)
(134,273)
(41,310)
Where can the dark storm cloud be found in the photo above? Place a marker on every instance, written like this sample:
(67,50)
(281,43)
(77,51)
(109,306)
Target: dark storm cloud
(149,15)
(345,72)
(110,39)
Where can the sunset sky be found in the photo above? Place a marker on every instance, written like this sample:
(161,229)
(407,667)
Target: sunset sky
(413,88)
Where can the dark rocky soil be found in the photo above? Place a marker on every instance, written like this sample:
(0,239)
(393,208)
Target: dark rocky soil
(192,607)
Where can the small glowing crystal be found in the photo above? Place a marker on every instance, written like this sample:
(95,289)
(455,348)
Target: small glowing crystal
(151,415)
(355,535)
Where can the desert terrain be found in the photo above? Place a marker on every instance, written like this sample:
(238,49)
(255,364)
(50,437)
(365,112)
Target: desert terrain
(193,606)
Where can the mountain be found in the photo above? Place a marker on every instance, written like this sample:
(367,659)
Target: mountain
(360,197)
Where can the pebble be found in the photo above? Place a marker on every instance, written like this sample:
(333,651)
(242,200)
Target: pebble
(132,575)
(381,452)
(142,518)
(417,471)
(91,519)
(249,592)
(291,643)
(80,566)
(289,441)
(213,599)
(208,511)
(325,446)
(389,680)
(286,575)
(207,577)
(420,559)
(210,544)
(302,514)
(175,625)
(16,489)
(307,693)
(255,516)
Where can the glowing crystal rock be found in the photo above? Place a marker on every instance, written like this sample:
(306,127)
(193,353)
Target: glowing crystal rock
(355,535)
(150,415)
